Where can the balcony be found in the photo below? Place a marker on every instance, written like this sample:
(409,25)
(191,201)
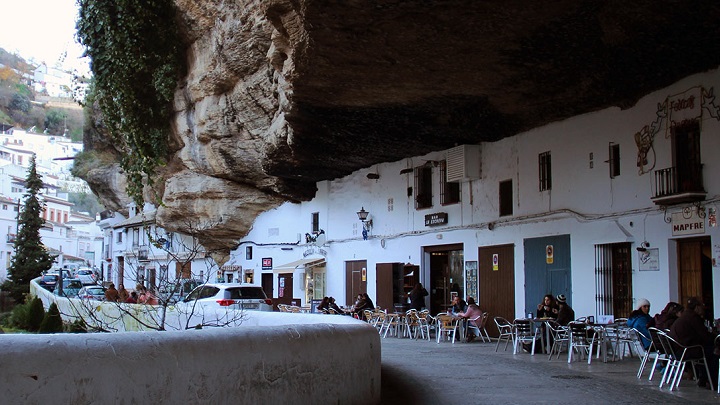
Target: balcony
(11,238)
(674,187)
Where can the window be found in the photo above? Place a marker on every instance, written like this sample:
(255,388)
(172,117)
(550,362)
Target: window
(449,191)
(248,252)
(118,238)
(5,207)
(614,160)
(315,222)
(506,198)
(545,171)
(423,187)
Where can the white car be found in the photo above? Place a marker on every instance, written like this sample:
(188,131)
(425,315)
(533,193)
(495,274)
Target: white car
(86,276)
(231,296)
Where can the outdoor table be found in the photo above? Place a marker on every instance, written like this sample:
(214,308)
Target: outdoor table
(544,337)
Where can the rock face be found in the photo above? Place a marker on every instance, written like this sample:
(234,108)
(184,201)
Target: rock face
(283,93)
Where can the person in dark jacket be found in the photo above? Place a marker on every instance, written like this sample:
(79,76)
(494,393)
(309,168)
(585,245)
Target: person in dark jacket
(368,302)
(641,320)
(548,308)
(417,297)
(668,315)
(565,313)
(690,330)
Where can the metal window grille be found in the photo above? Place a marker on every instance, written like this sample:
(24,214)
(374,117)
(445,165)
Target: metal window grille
(545,171)
(449,191)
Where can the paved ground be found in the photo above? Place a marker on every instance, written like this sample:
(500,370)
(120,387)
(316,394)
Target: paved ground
(424,372)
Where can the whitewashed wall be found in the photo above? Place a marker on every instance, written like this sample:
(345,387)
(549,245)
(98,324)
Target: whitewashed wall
(584,202)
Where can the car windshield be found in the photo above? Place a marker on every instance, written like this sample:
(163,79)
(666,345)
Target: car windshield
(73,284)
(84,272)
(237,293)
(95,291)
(50,278)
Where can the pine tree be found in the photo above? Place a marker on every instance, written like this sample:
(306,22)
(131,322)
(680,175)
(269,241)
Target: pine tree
(52,322)
(31,258)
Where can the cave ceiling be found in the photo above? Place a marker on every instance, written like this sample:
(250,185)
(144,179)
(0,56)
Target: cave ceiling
(385,80)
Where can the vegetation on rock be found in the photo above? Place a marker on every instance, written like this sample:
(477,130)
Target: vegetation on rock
(136,58)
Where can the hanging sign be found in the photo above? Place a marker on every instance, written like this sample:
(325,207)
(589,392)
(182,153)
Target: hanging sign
(495,262)
(364,274)
(549,254)
(687,223)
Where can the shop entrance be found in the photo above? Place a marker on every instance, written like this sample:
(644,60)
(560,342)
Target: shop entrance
(695,272)
(447,275)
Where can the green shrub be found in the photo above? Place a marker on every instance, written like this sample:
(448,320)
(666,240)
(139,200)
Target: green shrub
(79,326)
(20,317)
(36,313)
(52,323)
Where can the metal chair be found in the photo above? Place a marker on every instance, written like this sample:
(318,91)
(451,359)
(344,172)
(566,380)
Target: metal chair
(506,331)
(446,327)
(680,356)
(525,333)
(657,350)
(560,337)
(581,339)
(483,331)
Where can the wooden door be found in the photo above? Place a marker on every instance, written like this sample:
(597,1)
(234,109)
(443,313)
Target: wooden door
(355,283)
(547,269)
(384,285)
(267,286)
(285,289)
(695,272)
(496,280)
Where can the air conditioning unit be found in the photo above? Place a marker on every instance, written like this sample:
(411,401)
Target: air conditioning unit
(463,163)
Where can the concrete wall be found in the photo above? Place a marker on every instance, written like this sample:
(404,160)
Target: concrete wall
(267,357)
(299,364)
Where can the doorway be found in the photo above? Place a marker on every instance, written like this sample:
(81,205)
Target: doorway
(613,279)
(496,279)
(285,289)
(695,272)
(355,280)
(447,275)
(547,269)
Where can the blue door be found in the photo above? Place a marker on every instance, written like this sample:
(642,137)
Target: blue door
(547,269)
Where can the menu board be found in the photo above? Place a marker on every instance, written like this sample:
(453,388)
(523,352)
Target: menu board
(471,279)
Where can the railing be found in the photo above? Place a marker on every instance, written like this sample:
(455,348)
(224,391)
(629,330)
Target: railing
(670,182)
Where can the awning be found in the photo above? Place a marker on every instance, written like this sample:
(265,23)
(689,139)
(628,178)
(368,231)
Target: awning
(290,267)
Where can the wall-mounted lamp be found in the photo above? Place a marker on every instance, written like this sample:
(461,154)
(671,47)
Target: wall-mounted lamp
(367,223)
(373,176)
(643,247)
(406,171)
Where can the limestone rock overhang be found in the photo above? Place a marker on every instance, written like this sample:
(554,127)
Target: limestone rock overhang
(281,94)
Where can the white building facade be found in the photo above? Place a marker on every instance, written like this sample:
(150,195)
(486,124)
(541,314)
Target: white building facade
(605,208)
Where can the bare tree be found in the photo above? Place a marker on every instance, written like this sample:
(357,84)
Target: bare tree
(168,266)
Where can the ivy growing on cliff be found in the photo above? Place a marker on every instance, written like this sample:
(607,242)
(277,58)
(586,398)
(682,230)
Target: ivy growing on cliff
(136,55)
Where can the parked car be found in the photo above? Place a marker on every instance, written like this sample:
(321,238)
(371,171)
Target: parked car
(70,287)
(92,292)
(231,296)
(48,281)
(86,276)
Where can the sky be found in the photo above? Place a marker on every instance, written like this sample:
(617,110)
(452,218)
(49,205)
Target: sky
(42,30)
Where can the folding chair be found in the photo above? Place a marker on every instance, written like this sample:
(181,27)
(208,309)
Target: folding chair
(680,356)
(525,334)
(580,341)
(446,327)
(560,337)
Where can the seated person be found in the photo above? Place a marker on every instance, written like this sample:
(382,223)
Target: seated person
(668,316)
(641,320)
(689,330)
(334,306)
(472,312)
(565,313)
(323,305)
(458,305)
(368,302)
(548,308)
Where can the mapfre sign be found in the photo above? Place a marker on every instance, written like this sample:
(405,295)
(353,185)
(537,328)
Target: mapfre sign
(682,225)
